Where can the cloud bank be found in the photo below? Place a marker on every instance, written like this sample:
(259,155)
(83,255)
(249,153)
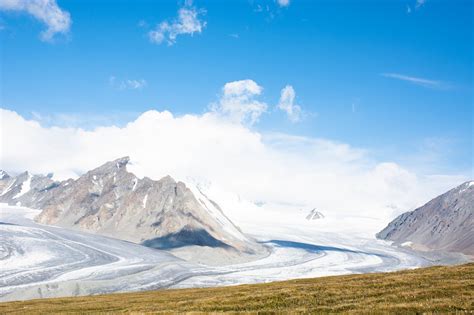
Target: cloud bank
(46,11)
(216,150)
(187,22)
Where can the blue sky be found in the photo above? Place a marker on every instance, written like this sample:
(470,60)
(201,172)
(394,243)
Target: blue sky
(367,73)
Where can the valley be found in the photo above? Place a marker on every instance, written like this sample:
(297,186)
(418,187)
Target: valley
(46,261)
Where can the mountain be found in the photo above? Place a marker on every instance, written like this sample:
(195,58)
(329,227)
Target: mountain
(3,174)
(445,223)
(25,189)
(111,201)
(314,215)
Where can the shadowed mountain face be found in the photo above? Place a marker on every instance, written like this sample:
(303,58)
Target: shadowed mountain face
(111,201)
(445,223)
(186,236)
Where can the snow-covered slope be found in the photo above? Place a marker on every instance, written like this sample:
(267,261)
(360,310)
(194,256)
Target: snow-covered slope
(45,261)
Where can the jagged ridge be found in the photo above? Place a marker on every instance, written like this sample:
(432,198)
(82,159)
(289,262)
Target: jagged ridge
(111,201)
(444,223)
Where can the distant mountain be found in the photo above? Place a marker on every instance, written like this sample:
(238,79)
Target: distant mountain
(111,201)
(3,174)
(25,189)
(314,215)
(445,223)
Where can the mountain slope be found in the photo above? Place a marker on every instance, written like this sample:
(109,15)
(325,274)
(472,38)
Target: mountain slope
(111,201)
(25,189)
(444,223)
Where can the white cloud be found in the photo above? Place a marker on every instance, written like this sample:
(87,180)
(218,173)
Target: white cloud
(242,87)
(279,170)
(283,3)
(46,11)
(418,81)
(287,104)
(238,102)
(127,84)
(187,22)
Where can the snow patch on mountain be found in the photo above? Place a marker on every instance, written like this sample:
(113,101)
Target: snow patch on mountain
(216,213)
(25,187)
(145,199)
(7,189)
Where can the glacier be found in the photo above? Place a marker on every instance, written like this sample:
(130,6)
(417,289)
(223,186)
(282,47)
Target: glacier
(39,261)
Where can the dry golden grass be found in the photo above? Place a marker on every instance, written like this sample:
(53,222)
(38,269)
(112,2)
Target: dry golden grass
(428,290)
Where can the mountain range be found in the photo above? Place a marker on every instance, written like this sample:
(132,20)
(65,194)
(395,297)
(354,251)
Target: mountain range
(168,214)
(111,201)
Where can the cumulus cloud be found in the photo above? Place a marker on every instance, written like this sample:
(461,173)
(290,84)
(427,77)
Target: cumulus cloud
(274,169)
(288,105)
(239,102)
(187,22)
(46,11)
(127,84)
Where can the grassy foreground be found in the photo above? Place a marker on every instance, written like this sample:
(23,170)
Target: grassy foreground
(434,289)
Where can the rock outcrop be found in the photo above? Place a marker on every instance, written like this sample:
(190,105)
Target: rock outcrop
(314,215)
(445,223)
(25,189)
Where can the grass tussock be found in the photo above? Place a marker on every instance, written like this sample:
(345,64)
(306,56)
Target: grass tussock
(428,290)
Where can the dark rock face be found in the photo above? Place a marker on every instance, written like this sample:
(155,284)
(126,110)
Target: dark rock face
(111,201)
(314,215)
(445,223)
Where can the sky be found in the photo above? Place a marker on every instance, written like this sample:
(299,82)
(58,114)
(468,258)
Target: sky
(359,87)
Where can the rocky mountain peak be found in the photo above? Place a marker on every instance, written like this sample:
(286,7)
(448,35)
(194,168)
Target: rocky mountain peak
(118,165)
(3,175)
(444,223)
(465,188)
(314,215)
(111,201)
